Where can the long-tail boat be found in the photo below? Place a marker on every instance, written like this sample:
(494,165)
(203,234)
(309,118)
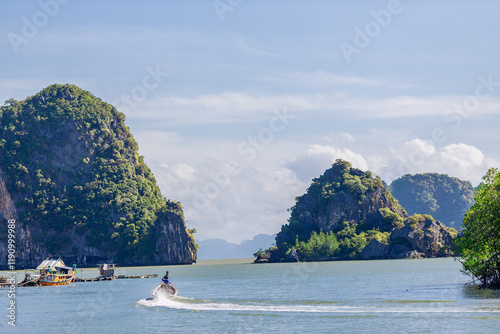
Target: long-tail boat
(54,272)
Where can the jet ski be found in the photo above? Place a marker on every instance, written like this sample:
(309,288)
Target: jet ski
(167,290)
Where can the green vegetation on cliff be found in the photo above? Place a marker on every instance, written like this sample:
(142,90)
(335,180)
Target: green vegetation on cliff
(73,166)
(342,177)
(312,235)
(345,244)
(479,245)
(348,214)
(445,198)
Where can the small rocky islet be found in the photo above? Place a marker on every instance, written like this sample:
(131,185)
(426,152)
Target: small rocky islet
(348,214)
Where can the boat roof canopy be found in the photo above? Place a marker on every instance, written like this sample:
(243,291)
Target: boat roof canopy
(51,263)
(64,268)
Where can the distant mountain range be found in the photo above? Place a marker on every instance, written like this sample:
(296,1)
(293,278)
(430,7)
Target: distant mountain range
(212,249)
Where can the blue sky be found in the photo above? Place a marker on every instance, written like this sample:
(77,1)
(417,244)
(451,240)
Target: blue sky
(237,108)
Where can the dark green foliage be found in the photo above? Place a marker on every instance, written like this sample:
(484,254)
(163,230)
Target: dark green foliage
(109,195)
(383,237)
(445,198)
(351,243)
(416,219)
(260,252)
(346,241)
(342,177)
(345,244)
(452,231)
(392,219)
(479,244)
(319,246)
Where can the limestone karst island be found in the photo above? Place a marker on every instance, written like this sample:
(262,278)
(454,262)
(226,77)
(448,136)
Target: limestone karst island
(72,178)
(348,214)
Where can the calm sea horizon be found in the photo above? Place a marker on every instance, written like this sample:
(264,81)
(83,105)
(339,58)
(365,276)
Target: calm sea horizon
(237,296)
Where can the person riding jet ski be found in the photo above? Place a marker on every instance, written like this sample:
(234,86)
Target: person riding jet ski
(168,288)
(165,278)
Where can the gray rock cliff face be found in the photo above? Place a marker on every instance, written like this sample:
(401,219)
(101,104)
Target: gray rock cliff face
(28,252)
(7,207)
(344,207)
(375,250)
(292,256)
(172,241)
(172,247)
(427,238)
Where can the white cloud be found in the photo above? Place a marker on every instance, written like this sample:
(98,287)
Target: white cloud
(317,158)
(216,108)
(462,155)
(412,106)
(243,107)
(219,200)
(339,139)
(184,172)
(322,78)
(222,203)
(414,156)
(420,156)
(348,137)
(425,146)
(235,203)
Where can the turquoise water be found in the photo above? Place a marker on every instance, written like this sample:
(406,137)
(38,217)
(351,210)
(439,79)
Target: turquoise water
(235,296)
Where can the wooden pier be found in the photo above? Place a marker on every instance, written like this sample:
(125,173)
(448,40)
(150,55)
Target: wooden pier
(110,278)
(25,282)
(106,273)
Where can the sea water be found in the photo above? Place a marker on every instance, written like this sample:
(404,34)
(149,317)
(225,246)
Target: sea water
(236,296)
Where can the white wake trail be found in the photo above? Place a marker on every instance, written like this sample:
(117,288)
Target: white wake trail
(183,303)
